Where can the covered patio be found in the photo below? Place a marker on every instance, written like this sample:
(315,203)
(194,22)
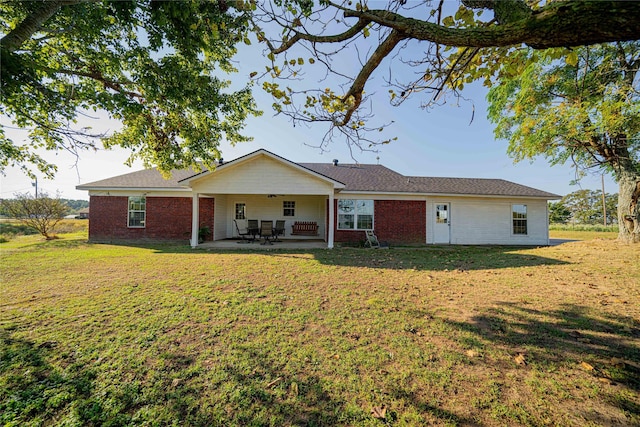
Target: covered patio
(238,245)
(262,186)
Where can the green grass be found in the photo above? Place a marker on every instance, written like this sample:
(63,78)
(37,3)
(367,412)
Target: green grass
(165,335)
(583,231)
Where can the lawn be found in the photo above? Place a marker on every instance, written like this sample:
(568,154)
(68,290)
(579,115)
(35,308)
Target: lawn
(452,336)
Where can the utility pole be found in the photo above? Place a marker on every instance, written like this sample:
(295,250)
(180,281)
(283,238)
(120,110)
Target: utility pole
(35,184)
(604,204)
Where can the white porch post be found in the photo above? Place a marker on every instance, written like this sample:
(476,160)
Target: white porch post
(332,221)
(195,219)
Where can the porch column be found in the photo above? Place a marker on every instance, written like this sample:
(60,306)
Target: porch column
(332,221)
(195,219)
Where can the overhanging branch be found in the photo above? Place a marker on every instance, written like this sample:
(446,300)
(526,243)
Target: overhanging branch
(559,24)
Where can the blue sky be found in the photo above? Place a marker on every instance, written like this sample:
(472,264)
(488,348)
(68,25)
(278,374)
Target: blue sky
(443,141)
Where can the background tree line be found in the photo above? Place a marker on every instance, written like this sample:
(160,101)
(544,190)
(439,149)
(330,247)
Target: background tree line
(584,207)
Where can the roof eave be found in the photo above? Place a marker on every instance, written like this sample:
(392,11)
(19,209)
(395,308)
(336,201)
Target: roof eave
(433,194)
(92,188)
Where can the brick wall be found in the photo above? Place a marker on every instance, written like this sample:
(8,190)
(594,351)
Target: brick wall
(395,221)
(168,218)
(400,221)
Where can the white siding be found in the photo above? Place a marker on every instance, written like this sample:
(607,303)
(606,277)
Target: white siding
(262,175)
(220,226)
(480,221)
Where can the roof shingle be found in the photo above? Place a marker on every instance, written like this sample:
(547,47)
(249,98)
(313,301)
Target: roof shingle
(355,177)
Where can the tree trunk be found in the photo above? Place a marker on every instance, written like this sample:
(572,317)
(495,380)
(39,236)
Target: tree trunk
(629,206)
(31,24)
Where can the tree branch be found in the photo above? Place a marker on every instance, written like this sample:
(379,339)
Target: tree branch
(357,87)
(558,24)
(350,33)
(32,23)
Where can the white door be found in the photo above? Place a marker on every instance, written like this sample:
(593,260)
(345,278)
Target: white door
(442,223)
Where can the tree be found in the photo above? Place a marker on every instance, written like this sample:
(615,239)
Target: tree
(585,110)
(585,207)
(486,33)
(42,213)
(157,67)
(558,213)
(492,41)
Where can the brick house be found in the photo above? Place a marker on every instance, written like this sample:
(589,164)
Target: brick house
(343,200)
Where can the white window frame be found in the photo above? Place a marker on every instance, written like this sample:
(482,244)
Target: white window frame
(235,210)
(354,211)
(519,214)
(136,205)
(291,208)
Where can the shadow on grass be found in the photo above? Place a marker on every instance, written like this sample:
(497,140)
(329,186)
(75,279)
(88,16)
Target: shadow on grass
(39,388)
(570,336)
(38,391)
(34,391)
(432,258)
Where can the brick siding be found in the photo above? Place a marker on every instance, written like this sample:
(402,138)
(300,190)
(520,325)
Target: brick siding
(168,218)
(395,221)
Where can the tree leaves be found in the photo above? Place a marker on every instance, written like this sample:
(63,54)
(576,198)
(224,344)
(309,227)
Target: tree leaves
(153,68)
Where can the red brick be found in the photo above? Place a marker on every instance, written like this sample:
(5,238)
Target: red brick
(168,218)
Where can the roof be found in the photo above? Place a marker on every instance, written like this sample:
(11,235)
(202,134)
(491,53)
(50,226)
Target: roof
(378,178)
(144,179)
(355,177)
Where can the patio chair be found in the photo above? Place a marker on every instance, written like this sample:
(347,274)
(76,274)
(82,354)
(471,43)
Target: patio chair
(253,228)
(372,240)
(278,230)
(243,235)
(266,232)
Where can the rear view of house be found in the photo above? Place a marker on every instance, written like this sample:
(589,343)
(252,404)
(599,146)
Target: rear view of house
(333,202)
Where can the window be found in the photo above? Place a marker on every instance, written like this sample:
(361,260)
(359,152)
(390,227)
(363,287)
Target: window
(355,214)
(442,214)
(241,210)
(519,213)
(288,208)
(137,211)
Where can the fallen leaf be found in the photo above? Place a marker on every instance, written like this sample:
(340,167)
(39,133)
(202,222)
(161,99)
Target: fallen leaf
(274,382)
(586,366)
(293,389)
(472,353)
(379,412)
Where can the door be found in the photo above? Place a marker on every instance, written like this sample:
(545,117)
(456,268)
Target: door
(240,218)
(442,224)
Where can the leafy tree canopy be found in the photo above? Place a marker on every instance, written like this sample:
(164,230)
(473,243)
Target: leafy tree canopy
(558,213)
(584,109)
(585,207)
(157,67)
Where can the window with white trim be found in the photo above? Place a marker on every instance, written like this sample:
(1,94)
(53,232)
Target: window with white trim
(355,214)
(288,208)
(519,215)
(137,211)
(241,211)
